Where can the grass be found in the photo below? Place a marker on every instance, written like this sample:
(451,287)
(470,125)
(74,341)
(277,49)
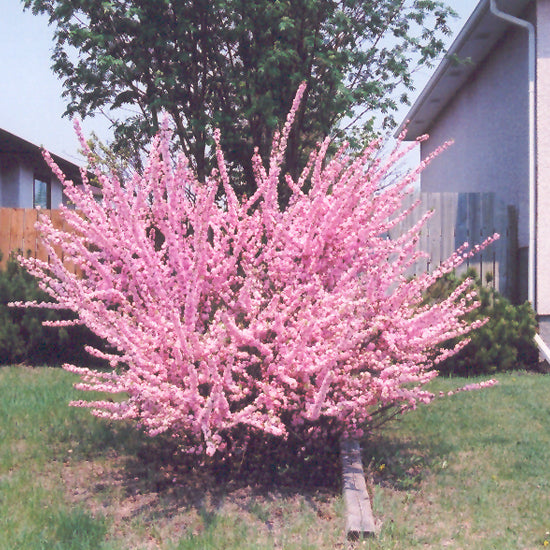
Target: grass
(468,471)
(70,481)
(34,429)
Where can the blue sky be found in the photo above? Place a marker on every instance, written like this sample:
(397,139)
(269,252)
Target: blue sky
(31,105)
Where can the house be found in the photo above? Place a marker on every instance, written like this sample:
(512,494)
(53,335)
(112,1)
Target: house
(491,96)
(26,181)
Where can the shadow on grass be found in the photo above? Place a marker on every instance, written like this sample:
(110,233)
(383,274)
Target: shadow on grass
(154,480)
(401,463)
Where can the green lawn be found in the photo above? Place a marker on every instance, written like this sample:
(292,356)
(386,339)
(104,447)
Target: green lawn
(71,481)
(470,471)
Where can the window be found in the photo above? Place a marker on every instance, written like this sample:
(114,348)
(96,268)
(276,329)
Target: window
(42,194)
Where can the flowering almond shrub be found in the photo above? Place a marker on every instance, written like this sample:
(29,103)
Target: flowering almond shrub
(229,316)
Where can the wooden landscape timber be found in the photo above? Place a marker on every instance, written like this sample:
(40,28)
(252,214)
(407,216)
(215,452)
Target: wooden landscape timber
(359,518)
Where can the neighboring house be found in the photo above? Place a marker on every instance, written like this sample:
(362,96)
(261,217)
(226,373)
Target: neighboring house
(495,105)
(26,181)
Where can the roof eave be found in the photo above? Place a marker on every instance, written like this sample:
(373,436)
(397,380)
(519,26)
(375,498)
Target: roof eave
(477,37)
(18,145)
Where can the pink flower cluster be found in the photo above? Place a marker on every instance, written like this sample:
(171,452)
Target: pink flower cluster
(471,387)
(226,315)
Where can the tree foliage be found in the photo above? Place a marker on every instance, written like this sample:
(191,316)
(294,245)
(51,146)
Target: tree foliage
(236,64)
(237,317)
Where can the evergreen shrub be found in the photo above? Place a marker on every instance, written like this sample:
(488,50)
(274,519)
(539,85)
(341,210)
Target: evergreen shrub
(23,339)
(504,343)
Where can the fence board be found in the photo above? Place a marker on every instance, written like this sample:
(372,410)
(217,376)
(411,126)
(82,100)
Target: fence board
(58,223)
(5,225)
(19,235)
(41,251)
(424,241)
(433,227)
(448,227)
(17,224)
(488,258)
(457,218)
(467,217)
(474,227)
(28,246)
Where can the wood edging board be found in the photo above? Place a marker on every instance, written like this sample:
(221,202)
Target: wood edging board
(359,518)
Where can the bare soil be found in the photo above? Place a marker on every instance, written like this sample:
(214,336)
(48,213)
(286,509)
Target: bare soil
(149,501)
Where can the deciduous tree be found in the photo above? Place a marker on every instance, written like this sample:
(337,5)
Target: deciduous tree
(236,64)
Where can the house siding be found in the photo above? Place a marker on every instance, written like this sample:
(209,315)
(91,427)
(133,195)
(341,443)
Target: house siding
(11,176)
(488,122)
(543,162)
(57,193)
(17,183)
(26,186)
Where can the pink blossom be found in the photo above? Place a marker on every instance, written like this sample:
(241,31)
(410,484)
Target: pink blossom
(245,316)
(471,387)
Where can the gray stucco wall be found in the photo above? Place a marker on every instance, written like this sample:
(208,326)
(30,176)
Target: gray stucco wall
(17,183)
(10,182)
(57,193)
(26,186)
(488,121)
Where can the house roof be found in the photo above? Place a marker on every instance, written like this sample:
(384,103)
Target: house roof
(12,144)
(476,39)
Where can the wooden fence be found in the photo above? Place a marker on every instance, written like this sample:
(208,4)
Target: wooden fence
(456,218)
(19,235)
(467,217)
